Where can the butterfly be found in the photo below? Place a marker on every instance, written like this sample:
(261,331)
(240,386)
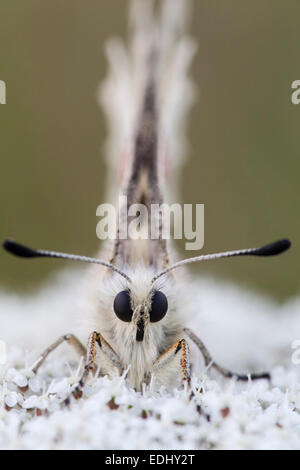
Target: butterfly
(136,304)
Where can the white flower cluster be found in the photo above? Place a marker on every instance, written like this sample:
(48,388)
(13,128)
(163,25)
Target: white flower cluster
(110,415)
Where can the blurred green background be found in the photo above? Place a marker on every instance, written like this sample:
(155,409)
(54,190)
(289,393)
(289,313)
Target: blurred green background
(244,132)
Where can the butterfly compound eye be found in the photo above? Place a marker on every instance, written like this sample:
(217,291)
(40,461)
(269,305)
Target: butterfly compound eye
(122,306)
(159,306)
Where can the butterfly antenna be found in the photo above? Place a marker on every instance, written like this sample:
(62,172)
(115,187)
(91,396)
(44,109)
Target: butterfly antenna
(272,249)
(25,252)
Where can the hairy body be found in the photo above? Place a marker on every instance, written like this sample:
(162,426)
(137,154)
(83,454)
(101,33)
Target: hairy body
(158,47)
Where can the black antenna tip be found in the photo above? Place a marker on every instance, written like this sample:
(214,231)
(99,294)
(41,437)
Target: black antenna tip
(274,248)
(19,250)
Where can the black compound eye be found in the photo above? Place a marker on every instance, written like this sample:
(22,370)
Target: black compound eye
(159,306)
(122,306)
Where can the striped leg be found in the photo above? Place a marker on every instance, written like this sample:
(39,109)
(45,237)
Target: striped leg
(225,372)
(94,339)
(70,339)
(163,360)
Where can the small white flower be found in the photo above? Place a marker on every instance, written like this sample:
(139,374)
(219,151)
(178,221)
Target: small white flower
(12,398)
(36,402)
(35,384)
(13,375)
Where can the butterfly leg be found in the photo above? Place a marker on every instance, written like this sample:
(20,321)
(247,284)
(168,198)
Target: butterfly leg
(225,372)
(70,339)
(166,357)
(94,339)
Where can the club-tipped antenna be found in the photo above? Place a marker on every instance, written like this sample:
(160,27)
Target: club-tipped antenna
(25,252)
(268,250)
